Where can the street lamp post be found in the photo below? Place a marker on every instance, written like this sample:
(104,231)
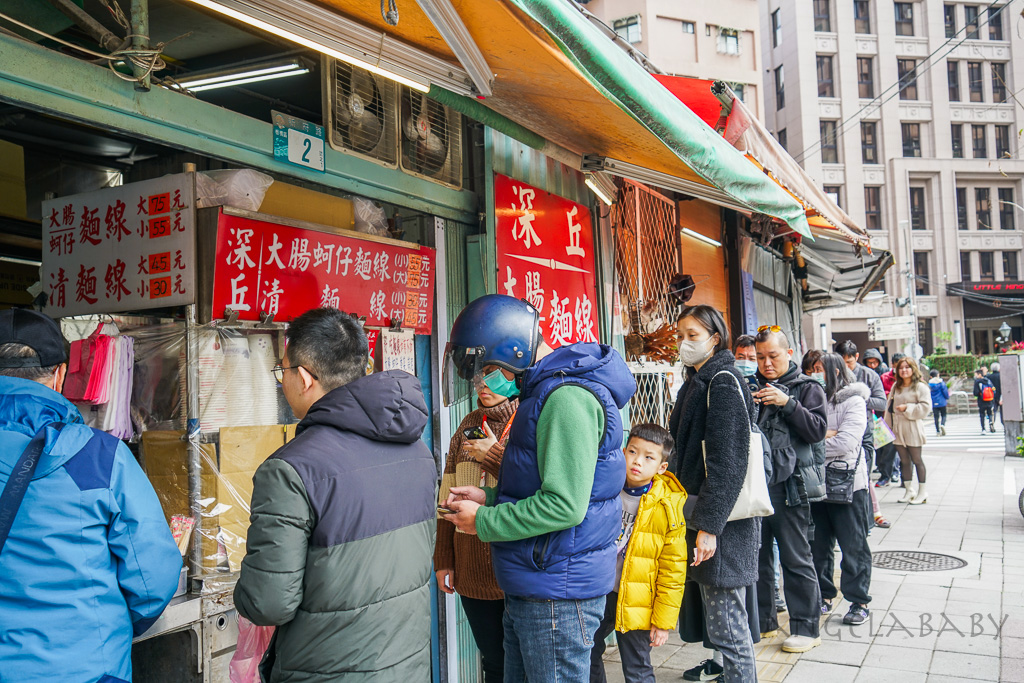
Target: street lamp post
(911,287)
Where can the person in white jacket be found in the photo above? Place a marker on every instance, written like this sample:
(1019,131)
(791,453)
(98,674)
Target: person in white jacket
(844,521)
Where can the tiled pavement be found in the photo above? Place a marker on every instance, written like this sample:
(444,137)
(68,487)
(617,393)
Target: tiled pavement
(935,627)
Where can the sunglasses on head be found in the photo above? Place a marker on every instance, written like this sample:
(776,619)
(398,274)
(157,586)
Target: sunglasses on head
(771,328)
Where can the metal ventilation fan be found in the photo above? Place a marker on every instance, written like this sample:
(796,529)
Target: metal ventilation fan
(431,139)
(361,113)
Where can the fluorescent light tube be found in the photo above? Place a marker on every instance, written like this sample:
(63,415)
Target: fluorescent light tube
(244,81)
(600,189)
(193,81)
(448,23)
(697,236)
(334,35)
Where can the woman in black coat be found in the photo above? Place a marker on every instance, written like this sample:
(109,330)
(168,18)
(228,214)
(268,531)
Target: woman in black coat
(711,463)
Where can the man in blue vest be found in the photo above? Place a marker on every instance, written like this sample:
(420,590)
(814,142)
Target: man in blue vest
(89,560)
(554,515)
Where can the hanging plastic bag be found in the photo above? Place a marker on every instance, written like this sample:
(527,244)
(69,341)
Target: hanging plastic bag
(253,642)
(882,434)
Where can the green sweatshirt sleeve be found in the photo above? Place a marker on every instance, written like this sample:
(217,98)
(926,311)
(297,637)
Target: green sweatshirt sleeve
(569,432)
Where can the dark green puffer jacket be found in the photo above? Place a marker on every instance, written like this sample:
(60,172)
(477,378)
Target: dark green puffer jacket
(342,536)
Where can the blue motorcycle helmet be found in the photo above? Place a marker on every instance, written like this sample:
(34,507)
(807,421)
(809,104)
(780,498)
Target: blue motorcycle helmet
(494,330)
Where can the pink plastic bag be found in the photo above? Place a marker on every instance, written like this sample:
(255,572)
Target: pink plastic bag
(253,641)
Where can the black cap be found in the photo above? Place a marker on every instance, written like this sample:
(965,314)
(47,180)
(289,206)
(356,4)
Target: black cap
(39,332)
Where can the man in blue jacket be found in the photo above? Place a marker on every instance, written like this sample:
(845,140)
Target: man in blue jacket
(553,518)
(89,560)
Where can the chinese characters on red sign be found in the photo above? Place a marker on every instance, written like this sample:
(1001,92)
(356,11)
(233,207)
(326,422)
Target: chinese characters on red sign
(120,249)
(285,271)
(546,256)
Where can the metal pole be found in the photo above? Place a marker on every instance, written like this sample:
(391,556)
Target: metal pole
(911,285)
(195,453)
(140,41)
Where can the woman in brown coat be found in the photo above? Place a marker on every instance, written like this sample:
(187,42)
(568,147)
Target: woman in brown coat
(462,562)
(910,404)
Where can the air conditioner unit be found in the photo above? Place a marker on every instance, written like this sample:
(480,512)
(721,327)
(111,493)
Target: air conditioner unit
(361,113)
(431,139)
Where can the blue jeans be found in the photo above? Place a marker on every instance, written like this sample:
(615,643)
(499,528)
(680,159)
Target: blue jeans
(549,641)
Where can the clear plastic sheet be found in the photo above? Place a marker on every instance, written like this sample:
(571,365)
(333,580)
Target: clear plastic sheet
(242,419)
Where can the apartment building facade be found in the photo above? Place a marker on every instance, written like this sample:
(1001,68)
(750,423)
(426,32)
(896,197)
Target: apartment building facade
(713,40)
(908,114)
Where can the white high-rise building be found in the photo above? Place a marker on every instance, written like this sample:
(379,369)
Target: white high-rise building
(908,114)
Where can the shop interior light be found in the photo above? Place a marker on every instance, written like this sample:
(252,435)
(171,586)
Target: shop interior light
(593,163)
(448,23)
(602,186)
(703,238)
(243,74)
(332,34)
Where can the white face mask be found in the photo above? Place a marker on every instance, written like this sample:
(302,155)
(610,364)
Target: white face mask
(693,352)
(818,377)
(747,368)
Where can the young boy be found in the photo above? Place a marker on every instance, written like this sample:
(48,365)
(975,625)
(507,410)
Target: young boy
(651,565)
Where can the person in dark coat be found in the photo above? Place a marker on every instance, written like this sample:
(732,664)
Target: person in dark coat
(713,447)
(792,415)
(997,382)
(342,536)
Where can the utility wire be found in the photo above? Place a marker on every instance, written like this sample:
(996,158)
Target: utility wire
(918,71)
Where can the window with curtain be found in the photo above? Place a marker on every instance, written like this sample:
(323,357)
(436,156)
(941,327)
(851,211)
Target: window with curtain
(949,17)
(917,209)
(689,27)
(869,142)
(1006,208)
(826,86)
(834,192)
(961,208)
(975,83)
(953,78)
(983,208)
(822,15)
(911,139)
(873,208)
(780,87)
(998,82)
(829,148)
(921,273)
(865,77)
(1002,141)
(1010,271)
(904,18)
(728,41)
(861,16)
(971,21)
(986,266)
(979,144)
(956,135)
(995,23)
(907,70)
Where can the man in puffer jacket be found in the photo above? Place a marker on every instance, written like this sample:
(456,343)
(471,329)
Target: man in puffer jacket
(89,561)
(340,546)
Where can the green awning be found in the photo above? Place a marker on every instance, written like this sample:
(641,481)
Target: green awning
(630,87)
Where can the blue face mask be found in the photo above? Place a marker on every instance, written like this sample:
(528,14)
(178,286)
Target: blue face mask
(818,377)
(500,385)
(747,368)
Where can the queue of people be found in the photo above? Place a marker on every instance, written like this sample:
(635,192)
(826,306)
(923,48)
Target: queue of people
(553,534)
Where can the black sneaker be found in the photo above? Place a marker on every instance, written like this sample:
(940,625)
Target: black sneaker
(705,671)
(826,606)
(857,615)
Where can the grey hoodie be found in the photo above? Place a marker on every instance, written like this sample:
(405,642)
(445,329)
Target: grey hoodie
(847,415)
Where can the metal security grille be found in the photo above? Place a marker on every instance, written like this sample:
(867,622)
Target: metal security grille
(647,254)
(654,398)
(916,561)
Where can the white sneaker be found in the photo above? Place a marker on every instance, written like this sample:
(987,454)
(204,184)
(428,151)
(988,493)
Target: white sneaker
(800,644)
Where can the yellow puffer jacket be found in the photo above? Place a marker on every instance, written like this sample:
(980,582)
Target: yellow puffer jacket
(654,568)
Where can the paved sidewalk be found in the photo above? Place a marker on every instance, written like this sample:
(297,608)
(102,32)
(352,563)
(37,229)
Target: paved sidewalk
(932,626)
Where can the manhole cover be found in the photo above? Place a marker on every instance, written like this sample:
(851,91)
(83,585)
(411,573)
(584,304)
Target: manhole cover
(915,561)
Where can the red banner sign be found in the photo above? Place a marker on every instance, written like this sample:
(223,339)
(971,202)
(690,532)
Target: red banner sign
(285,271)
(546,256)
